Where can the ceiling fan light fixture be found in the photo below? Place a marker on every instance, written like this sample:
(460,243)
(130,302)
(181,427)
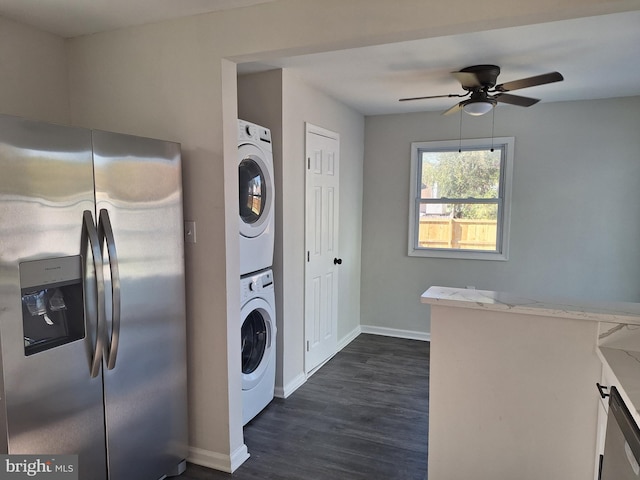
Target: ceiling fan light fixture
(480,83)
(477,108)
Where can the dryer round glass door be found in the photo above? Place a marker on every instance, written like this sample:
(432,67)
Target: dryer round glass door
(255,191)
(252,191)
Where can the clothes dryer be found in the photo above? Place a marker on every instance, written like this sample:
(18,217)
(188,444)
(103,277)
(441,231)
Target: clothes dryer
(258,337)
(257,194)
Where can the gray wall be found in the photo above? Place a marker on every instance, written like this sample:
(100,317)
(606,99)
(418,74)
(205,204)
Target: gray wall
(281,101)
(575,220)
(33,82)
(303,103)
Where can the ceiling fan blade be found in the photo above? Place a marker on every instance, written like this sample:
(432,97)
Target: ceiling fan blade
(432,96)
(456,108)
(516,100)
(529,82)
(468,80)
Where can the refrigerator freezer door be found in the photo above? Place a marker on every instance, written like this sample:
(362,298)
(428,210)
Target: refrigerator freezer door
(49,403)
(138,184)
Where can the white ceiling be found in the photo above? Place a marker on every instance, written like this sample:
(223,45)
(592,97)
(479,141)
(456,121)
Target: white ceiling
(598,56)
(72,18)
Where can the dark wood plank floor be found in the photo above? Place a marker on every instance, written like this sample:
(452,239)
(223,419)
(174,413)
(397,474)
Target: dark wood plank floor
(364,415)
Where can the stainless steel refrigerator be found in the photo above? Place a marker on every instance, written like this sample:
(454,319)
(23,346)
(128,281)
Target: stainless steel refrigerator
(92,307)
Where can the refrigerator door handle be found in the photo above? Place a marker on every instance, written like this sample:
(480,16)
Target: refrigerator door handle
(105,232)
(90,238)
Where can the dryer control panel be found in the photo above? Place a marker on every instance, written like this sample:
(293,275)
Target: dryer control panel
(248,131)
(253,285)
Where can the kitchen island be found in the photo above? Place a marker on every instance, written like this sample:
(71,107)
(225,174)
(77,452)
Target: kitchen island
(513,383)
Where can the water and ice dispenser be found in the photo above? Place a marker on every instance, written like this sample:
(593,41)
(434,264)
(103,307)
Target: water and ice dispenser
(52,303)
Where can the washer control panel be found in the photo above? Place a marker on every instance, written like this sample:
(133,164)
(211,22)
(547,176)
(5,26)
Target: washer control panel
(253,285)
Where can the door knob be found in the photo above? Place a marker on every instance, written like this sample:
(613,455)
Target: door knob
(337,261)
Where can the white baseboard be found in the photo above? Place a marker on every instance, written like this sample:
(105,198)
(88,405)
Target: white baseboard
(219,461)
(292,386)
(238,457)
(394,332)
(351,336)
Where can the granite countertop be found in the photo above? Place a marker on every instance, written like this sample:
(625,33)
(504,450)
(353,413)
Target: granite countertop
(615,312)
(618,344)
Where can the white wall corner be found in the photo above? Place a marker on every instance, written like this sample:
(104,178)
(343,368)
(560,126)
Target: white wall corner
(349,337)
(394,332)
(299,380)
(219,461)
(292,386)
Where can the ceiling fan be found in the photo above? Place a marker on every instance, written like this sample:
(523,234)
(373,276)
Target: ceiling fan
(480,83)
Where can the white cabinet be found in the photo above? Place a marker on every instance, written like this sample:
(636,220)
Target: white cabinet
(606,381)
(620,370)
(600,434)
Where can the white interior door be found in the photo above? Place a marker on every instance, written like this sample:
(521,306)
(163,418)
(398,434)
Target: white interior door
(321,238)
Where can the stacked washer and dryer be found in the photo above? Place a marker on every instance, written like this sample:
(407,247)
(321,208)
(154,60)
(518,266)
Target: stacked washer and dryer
(257,297)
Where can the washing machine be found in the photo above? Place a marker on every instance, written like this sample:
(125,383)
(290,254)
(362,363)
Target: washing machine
(258,315)
(255,172)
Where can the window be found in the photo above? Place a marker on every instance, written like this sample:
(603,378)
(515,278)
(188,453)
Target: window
(460,198)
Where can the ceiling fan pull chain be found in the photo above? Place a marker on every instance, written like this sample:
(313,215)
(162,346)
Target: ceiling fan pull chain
(493,125)
(460,144)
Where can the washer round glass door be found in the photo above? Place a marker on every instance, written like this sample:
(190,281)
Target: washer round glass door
(257,337)
(254,341)
(255,191)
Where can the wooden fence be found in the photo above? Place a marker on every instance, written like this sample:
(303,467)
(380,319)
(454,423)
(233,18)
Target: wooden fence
(458,234)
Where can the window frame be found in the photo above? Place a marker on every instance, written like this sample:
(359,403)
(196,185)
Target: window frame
(504,198)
